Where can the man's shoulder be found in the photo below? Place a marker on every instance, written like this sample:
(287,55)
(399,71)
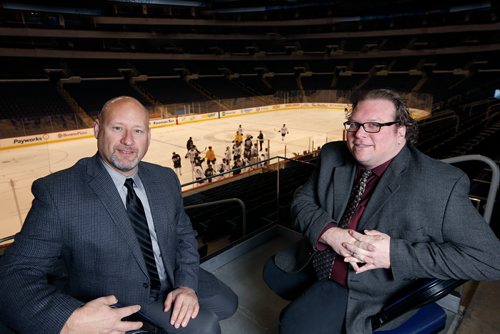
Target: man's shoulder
(74,176)
(335,149)
(334,154)
(79,167)
(431,166)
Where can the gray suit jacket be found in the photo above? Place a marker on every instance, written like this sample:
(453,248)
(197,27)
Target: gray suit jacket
(77,214)
(422,204)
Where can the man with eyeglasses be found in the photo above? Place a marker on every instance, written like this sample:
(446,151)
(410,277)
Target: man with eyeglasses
(376,215)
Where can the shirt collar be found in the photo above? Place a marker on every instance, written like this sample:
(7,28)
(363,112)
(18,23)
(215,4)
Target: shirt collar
(118,178)
(377,171)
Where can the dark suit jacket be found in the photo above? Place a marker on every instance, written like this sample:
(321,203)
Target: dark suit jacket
(77,214)
(421,203)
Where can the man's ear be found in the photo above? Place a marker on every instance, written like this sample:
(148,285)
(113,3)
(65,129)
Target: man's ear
(401,134)
(96,128)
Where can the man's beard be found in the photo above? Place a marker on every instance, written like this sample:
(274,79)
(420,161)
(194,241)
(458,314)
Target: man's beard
(124,167)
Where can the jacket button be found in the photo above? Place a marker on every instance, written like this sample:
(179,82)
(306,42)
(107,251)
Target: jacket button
(145,285)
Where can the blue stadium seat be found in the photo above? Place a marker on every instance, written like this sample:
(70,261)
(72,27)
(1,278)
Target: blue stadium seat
(430,317)
(427,320)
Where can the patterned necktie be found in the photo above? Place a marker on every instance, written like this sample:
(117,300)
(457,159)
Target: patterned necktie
(135,211)
(323,261)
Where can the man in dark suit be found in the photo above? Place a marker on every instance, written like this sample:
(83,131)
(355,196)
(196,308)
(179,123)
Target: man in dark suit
(412,219)
(81,215)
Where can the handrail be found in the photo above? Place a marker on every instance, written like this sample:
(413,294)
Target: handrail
(222,201)
(242,204)
(495,178)
(261,163)
(224,173)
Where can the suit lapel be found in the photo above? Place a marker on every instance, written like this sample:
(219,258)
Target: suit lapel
(388,184)
(102,184)
(342,181)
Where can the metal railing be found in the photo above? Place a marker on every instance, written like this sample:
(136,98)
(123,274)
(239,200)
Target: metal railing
(263,165)
(495,178)
(224,201)
(488,208)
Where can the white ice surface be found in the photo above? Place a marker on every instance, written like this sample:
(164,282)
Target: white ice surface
(21,166)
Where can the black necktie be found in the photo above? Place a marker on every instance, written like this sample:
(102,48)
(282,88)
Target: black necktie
(323,261)
(135,211)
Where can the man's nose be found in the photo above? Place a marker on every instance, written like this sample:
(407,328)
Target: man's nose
(127,138)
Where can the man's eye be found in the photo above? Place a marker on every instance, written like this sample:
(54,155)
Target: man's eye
(139,131)
(117,128)
(371,125)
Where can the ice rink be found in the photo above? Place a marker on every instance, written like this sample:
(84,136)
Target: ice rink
(308,128)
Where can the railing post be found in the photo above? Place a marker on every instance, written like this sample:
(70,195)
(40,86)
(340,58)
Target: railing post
(495,179)
(16,200)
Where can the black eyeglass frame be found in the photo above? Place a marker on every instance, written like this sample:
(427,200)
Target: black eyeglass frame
(348,124)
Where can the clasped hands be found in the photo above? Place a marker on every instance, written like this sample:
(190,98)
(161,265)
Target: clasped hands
(371,248)
(100,315)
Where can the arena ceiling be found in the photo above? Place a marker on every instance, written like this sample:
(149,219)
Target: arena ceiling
(303,33)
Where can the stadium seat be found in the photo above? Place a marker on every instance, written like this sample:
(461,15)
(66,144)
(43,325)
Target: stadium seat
(429,319)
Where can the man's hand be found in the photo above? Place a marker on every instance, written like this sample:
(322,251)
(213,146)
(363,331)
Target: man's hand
(371,248)
(186,306)
(336,237)
(97,316)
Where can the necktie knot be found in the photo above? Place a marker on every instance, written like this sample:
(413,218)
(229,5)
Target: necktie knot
(365,175)
(129,184)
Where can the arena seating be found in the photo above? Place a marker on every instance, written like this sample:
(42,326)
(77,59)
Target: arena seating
(172,90)
(92,94)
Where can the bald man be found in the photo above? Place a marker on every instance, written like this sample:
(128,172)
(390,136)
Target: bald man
(80,215)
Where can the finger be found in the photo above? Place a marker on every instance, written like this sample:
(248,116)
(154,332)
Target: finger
(352,259)
(359,252)
(184,315)
(366,267)
(356,235)
(363,237)
(181,315)
(125,326)
(358,258)
(364,245)
(196,310)
(123,312)
(345,253)
(168,302)
(364,258)
(107,300)
(175,314)
(374,233)
(354,266)
(351,248)
(187,316)
(175,319)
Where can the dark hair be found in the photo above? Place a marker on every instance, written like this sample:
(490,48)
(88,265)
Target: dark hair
(402,112)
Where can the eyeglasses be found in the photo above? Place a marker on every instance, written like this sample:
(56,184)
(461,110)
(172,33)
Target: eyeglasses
(370,127)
